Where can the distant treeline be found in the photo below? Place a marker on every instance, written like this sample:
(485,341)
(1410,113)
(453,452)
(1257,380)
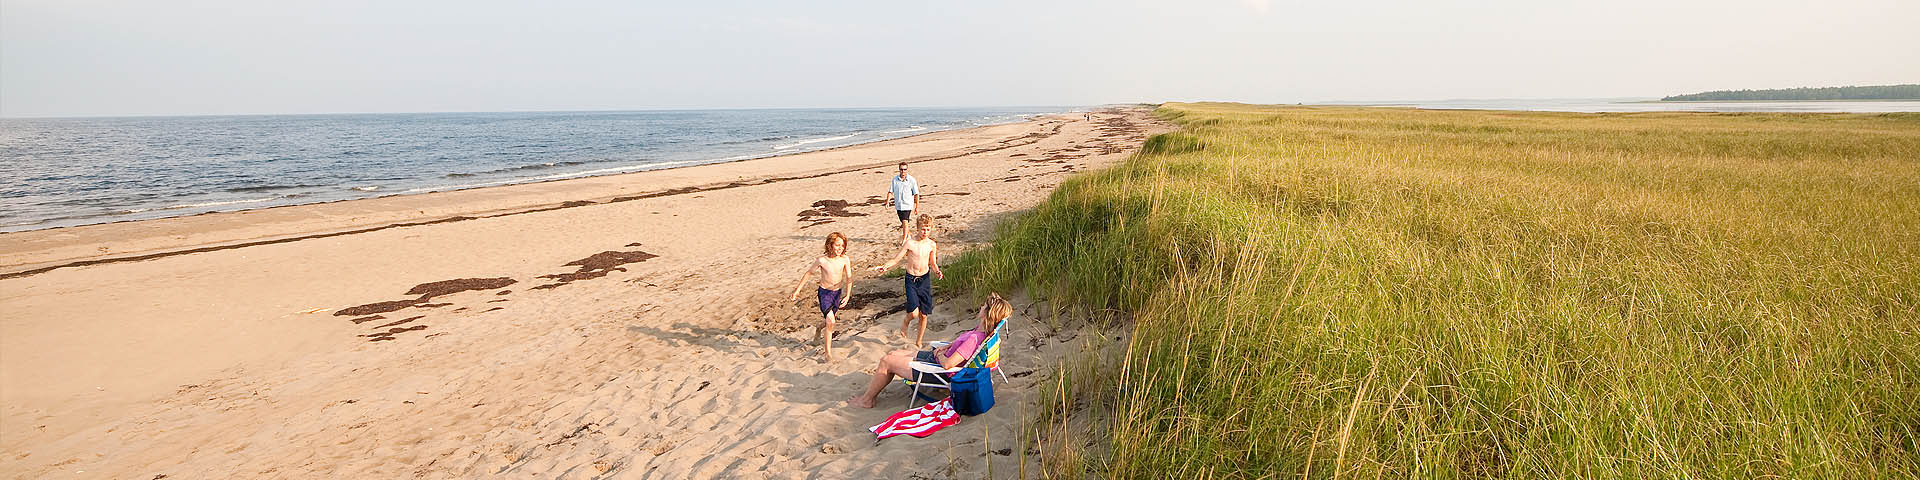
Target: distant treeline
(1877,92)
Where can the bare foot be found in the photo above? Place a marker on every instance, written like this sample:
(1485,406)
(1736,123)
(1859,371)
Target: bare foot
(859,401)
(918,338)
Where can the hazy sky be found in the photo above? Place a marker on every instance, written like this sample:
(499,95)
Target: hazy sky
(69,58)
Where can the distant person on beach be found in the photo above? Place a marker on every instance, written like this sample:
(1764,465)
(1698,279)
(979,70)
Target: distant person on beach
(835,287)
(921,255)
(904,192)
(895,363)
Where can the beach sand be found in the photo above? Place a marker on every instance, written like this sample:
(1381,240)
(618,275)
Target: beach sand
(624,326)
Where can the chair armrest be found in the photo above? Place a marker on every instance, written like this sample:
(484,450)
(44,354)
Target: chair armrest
(924,367)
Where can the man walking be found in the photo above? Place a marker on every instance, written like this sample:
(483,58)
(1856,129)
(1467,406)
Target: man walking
(904,192)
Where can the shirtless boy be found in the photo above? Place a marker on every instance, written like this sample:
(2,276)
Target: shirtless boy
(921,255)
(835,287)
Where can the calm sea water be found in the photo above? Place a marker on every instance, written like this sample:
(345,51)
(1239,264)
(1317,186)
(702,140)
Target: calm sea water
(77,171)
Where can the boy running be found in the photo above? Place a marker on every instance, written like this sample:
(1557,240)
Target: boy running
(835,287)
(921,255)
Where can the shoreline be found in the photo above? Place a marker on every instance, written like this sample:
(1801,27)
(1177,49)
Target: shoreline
(1783,101)
(511,182)
(14,267)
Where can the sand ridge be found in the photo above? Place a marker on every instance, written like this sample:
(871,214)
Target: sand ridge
(643,338)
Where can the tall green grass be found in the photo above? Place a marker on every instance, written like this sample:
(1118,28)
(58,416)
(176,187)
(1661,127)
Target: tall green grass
(1367,293)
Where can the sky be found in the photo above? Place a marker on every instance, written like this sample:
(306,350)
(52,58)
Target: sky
(95,58)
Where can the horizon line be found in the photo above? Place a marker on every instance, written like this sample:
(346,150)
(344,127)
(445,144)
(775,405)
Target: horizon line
(613,110)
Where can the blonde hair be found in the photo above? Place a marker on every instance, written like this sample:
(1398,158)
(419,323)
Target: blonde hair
(830,238)
(923,221)
(997,308)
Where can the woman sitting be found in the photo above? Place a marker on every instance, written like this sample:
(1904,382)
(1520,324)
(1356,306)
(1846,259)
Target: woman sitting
(895,364)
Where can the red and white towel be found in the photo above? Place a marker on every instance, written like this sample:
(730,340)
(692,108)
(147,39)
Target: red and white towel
(919,422)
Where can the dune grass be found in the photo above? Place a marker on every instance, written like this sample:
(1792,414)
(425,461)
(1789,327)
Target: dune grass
(1367,293)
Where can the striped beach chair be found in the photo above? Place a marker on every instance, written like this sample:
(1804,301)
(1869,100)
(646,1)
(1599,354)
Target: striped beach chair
(987,357)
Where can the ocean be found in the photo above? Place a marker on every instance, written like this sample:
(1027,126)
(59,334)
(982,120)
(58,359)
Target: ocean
(61,172)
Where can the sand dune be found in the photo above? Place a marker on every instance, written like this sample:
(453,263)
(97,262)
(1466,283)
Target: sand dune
(623,326)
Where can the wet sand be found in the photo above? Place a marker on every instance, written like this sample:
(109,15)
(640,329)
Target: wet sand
(630,326)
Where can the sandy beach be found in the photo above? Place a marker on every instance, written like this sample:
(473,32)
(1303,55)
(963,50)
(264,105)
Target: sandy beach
(626,326)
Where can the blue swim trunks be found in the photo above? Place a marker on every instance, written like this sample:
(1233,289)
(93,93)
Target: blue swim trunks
(829,300)
(920,293)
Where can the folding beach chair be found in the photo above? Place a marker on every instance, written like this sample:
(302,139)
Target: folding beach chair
(940,378)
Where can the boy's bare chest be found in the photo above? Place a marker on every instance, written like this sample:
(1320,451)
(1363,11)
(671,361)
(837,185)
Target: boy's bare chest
(832,265)
(920,248)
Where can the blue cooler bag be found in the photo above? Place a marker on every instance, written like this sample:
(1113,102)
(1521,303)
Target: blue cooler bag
(973,391)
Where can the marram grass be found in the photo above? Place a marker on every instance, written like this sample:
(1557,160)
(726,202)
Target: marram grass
(1385,293)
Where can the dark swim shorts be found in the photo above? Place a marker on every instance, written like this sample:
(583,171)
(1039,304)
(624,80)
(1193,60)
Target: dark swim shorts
(904,214)
(829,300)
(924,356)
(920,293)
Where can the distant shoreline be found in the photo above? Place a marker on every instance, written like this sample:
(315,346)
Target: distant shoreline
(636,169)
(1909,91)
(35,249)
(226,198)
(1784,101)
